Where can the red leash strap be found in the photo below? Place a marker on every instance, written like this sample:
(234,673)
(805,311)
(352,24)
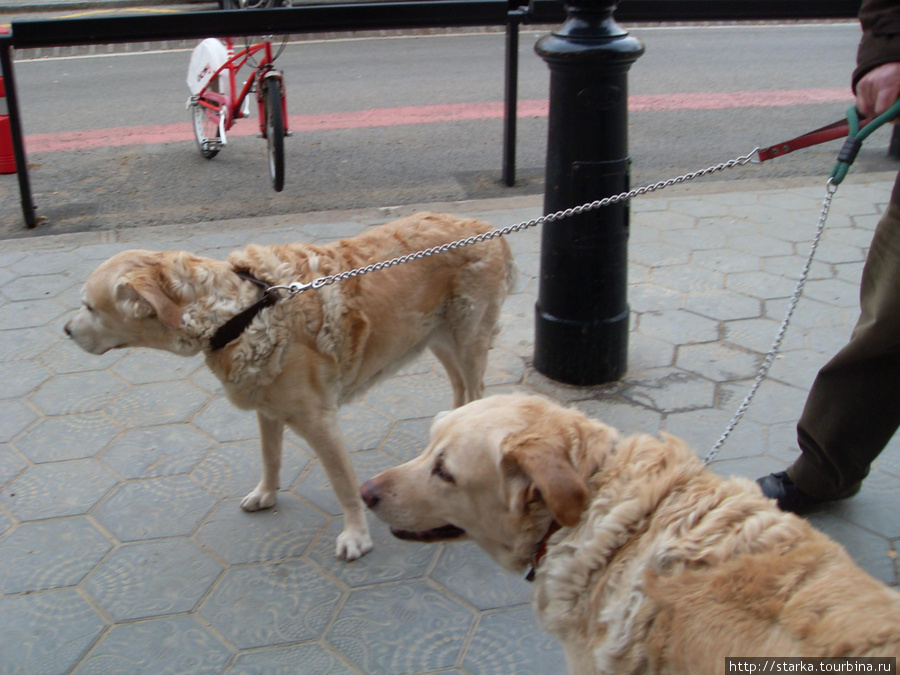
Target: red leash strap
(827,133)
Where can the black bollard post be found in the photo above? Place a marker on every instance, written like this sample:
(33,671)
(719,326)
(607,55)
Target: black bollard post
(582,314)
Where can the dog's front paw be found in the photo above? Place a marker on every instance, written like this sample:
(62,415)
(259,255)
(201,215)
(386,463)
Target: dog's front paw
(351,544)
(259,499)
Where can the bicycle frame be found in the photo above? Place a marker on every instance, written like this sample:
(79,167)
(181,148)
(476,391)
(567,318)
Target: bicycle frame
(215,102)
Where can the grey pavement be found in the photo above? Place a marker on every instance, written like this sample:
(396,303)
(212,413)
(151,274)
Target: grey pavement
(122,544)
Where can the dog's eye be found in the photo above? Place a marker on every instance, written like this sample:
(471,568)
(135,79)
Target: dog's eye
(441,472)
(88,307)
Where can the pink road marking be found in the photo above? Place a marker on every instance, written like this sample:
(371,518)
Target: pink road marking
(427,114)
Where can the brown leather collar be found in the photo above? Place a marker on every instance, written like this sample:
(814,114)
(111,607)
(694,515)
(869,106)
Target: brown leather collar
(231,330)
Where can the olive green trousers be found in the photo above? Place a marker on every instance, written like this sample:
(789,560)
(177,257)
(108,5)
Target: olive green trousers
(853,407)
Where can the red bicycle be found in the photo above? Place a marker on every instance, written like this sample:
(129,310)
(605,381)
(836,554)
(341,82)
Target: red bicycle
(216,103)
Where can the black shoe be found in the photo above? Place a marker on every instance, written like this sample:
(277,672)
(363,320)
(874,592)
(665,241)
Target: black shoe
(789,497)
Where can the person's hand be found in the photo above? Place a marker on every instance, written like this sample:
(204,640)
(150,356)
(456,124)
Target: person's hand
(878,89)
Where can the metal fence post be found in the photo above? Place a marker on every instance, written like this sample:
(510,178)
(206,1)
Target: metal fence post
(18,141)
(582,314)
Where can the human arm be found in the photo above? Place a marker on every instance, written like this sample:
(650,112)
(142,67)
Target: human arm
(876,80)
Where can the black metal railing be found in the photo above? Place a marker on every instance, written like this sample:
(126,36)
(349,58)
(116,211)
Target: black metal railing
(415,14)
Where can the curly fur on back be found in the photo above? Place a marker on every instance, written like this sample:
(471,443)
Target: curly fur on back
(672,569)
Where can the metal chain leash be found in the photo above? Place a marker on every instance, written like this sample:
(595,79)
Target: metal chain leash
(831,188)
(297,287)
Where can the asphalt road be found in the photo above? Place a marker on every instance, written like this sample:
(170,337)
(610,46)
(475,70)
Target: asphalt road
(399,120)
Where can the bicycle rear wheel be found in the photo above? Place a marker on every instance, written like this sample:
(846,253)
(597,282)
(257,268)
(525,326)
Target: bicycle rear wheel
(275,131)
(206,131)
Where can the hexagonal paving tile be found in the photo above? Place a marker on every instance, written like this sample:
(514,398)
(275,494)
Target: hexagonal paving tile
(157,403)
(408,439)
(411,396)
(624,415)
(390,560)
(15,416)
(11,464)
(791,266)
(504,367)
(814,314)
(37,287)
(760,284)
(666,390)
(284,531)
(798,367)
(234,469)
(77,393)
(20,378)
(177,644)
(152,578)
(760,245)
(723,305)
(835,252)
(5,523)
(701,237)
(469,572)
(66,357)
(725,261)
(774,402)
(404,628)
(653,298)
(659,255)
(687,278)
(224,422)
(315,487)
(889,459)
(871,551)
(30,313)
(665,219)
(50,554)
(67,437)
(835,292)
(876,506)
(315,658)
(156,507)
(58,489)
(26,343)
(678,327)
(276,603)
(701,429)
(757,335)
(45,262)
(718,362)
(47,632)
(362,427)
(509,642)
(157,451)
(141,366)
(646,352)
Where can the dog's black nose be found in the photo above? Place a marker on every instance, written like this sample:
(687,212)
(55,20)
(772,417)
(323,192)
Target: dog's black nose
(369,494)
(67,330)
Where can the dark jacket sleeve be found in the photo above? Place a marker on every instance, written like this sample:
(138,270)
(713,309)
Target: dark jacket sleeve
(880,42)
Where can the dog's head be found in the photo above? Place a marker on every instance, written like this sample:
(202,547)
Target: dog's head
(499,471)
(130,301)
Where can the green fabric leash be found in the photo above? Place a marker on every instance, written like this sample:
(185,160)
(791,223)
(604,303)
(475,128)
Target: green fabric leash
(855,138)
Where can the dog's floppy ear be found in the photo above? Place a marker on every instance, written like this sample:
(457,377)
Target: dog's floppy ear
(546,462)
(142,298)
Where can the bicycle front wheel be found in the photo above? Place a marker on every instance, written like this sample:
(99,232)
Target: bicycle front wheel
(275,132)
(206,131)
